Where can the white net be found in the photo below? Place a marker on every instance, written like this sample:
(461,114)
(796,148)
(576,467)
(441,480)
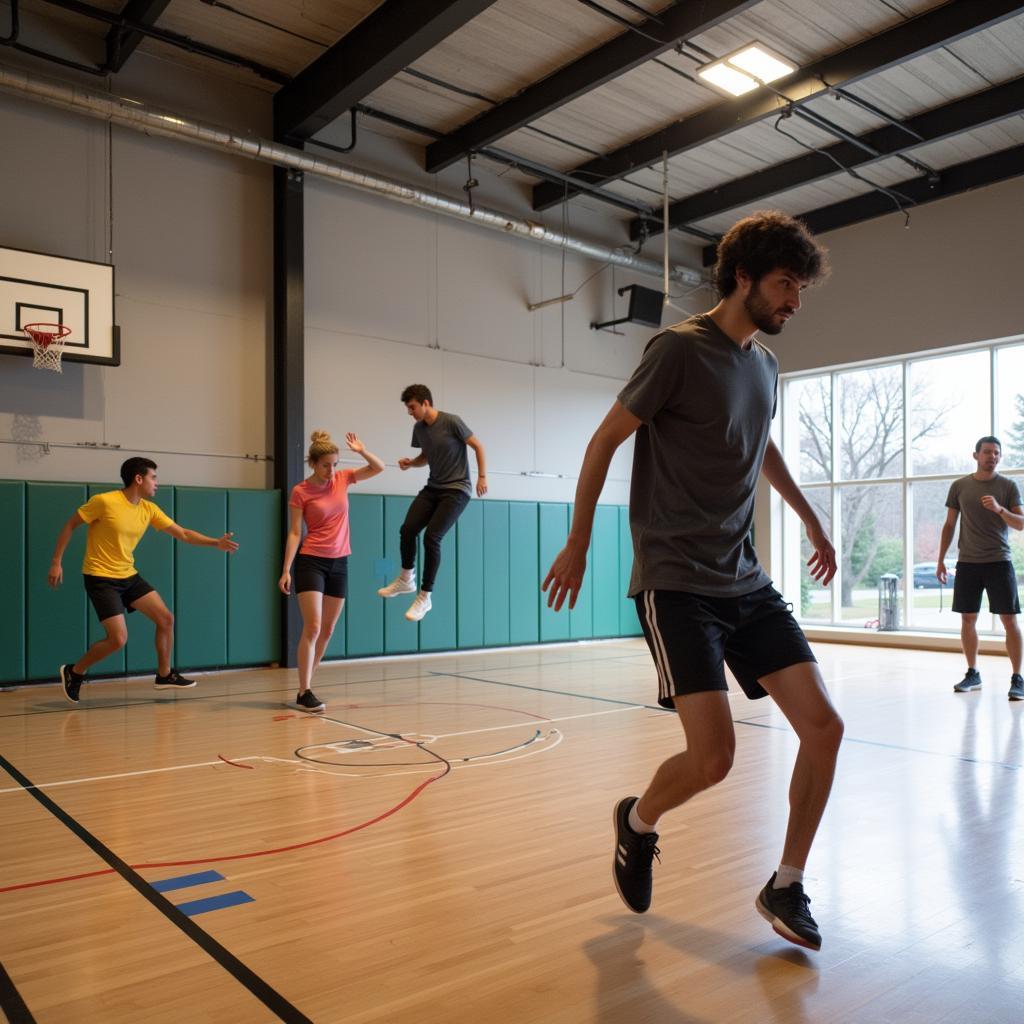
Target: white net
(47,345)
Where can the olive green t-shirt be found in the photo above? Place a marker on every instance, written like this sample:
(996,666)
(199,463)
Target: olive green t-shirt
(984,537)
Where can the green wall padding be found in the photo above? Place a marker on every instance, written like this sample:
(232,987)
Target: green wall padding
(363,618)
(12,593)
(524,573)
(470,575)
(254,620)
(201,617)
(54,619)
(496,560)
(604,570)
(629,624)
(437,630)
(400,635)
(553,519)
(114,663)
(154,558)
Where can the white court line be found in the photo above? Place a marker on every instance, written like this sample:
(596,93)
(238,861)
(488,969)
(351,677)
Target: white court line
(546,721)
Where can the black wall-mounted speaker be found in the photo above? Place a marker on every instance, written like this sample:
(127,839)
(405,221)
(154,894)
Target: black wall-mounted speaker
(645,306)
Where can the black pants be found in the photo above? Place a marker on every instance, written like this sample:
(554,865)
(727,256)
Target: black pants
(436,509)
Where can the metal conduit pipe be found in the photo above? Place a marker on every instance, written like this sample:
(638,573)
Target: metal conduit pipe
(134,115)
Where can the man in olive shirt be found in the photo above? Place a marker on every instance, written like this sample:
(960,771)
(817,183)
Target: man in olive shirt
(987,505)
(117,520)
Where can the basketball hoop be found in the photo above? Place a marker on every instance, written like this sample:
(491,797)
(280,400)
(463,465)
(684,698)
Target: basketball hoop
(47,344)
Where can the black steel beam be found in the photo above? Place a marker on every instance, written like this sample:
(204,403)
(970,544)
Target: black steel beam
(593,69)
(954,180)
(943,122)
(121,42)
(387,40)
(288,363)
(920,35)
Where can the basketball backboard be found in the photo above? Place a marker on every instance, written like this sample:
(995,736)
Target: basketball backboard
(36,287)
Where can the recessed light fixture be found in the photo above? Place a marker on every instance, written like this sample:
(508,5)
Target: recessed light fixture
(745,69)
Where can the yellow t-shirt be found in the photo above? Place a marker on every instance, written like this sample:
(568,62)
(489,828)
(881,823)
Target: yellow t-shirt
(115,527)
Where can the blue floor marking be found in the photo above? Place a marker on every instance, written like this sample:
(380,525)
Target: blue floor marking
(226,899)
(184,881)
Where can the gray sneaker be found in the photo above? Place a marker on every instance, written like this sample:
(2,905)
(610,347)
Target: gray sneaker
(970,681)
(1016,687)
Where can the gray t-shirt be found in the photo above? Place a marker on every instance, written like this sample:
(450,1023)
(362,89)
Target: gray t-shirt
(706,406)
(984,536)
(444,444)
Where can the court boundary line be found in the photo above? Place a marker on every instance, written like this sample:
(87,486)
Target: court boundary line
(262,990)
(12,1004)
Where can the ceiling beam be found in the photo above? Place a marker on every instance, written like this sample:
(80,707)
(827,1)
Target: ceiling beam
(923,34)
(121,42)
(389,39)
(614,58)
(933,125)
(954,180)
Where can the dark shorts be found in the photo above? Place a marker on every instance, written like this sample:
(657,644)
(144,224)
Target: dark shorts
(997,579)
(692,638)
(112,597)
(328,575)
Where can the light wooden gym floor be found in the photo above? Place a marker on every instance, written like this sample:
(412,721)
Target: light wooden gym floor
(437,848)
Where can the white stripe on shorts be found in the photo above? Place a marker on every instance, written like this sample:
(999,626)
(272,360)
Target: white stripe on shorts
(665,681)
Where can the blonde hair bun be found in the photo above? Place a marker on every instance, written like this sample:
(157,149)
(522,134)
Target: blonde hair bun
(320,437)
(321,444)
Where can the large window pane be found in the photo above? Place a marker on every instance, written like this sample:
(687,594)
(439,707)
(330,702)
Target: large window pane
(815,600)
(872,544)
(949,410)
(871,423)
(931,602)
(811,400)
(1010,405)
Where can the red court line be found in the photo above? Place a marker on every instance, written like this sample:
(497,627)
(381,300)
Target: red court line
(241,856)
(234,764)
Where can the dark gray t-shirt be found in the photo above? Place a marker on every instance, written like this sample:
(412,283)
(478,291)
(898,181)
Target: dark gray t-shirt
(984,537)
(707,407)
(444,444)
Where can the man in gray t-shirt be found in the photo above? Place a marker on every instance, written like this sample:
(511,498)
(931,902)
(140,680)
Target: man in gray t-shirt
(700,405)
(443,440)
(987,505)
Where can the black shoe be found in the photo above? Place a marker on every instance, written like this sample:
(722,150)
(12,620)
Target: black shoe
(634,858)
(786,910)
(174,680)
(970,681)
(71,682)
(1016,687)
(308,701)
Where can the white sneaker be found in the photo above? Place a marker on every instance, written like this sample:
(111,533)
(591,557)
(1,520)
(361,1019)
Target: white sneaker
(399,585)
(419,607)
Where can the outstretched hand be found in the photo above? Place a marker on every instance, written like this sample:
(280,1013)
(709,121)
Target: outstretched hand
(354,443)
(225,543)
(565,577)
(822,563)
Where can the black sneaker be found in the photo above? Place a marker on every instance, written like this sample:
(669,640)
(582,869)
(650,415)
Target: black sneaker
(308,701)
(970,681)
(634,857)
(1016,687)
(71,682)
(786,910)
(174,680)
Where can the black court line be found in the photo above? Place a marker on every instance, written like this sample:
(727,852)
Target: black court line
(326,686)
(11,1002)
(739,721)
(270,998)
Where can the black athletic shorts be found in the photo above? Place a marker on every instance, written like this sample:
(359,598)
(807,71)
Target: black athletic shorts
(112,597)
(997,579)
(692,638)
(328,575)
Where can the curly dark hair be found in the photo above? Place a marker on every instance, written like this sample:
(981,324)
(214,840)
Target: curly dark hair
(763,241)
(417,393)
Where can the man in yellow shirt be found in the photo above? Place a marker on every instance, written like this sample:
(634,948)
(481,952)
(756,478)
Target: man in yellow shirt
(117,520)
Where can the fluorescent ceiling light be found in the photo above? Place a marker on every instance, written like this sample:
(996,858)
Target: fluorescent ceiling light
(745,69)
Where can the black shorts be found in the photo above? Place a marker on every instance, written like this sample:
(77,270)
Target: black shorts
(692,638)
(112,597)
(328,575)
(997,579)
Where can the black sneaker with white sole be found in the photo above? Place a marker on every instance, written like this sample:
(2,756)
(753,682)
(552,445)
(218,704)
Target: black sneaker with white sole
(174,680)
(632,867)
(971,681)
(71,682)
(309,701)
(1016,687)
(787,911)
